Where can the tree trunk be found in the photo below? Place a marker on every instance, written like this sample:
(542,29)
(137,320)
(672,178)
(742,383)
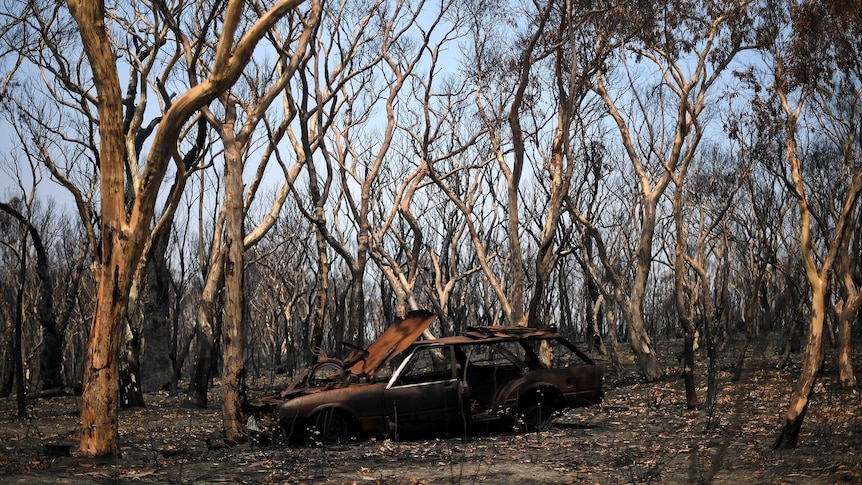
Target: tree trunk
(182,354)
(684,311)
(640,341)
(615,345)
(792,422)
(156,362)
(51,357)
(120,250)
(633,308)
(789,436)
(205,338)
(131,393)
(711,371)
(688,370)
(200,378)
(594,316)
(315,335)
(355,324)
(846,376)
(100,398)
(233,333)
(17,350)
(7,371)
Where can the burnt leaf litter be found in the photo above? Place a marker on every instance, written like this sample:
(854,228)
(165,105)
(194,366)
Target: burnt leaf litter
(641,433)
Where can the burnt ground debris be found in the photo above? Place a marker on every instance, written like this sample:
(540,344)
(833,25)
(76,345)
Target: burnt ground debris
(641,433)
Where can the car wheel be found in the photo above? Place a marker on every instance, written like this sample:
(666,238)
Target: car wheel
(536,417)
(332,427)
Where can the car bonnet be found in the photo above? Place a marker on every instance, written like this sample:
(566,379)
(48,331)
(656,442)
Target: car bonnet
(393,341)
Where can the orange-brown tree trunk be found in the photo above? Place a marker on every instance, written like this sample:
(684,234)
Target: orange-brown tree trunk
(792,421)
(100,398)
(233,334)
(124,236)
(633,308)
(119,251)
(846,375)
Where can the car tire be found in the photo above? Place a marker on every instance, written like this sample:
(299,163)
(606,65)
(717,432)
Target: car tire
(332,427)
(536,417)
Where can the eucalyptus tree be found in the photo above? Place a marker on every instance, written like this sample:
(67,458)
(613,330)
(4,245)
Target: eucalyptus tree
(839,119)
(61,126)
(450,267)
(702,244)
(470,243)
(243,109)
(183,267)
(531,84)
(280,314)
(432,129)
(667,65)
(344,54)
(758,222)
(17,244)
(365,61)
(22,209)
(811,51)
(113,135)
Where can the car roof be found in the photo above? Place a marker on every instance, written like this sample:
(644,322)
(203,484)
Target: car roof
(477,335)
(405,332)
(494,334)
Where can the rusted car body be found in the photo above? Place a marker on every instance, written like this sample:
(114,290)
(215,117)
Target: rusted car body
(400,385)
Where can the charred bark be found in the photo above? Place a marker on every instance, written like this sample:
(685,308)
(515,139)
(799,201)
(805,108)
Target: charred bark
(788,438)
(846,375)
(131,393)
(156,362)
(51,357)
(200,378)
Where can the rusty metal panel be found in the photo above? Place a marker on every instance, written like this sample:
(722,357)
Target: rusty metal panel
(393,341)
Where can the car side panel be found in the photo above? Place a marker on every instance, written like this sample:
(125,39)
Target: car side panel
(360,401)
(579,386)
(423,406)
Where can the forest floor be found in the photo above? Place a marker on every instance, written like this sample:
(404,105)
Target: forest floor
(642,433)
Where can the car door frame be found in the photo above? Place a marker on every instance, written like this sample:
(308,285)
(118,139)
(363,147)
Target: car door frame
(427,404)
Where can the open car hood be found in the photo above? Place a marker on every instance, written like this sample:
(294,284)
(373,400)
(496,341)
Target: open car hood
(392,342)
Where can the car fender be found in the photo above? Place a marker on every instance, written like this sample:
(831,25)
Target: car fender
(337,407)
(550,391)
(511,394)
(302,408)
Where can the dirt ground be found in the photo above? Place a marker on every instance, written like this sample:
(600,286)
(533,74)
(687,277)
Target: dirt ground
(642,433)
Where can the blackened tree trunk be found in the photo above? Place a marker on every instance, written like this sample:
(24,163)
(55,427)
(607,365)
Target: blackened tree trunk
(156,362)
(20,399)
(131,394)
(318,317)
(684,310)
(7,372)
(355,324)
(200,378)
(51,356)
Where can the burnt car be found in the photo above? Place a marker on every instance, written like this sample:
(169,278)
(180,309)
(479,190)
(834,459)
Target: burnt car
(400,385)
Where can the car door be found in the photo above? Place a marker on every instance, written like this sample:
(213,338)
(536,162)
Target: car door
(424,392)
